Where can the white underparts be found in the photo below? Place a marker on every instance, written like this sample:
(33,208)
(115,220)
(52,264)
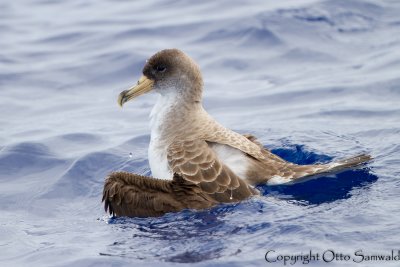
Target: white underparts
(235,159)
(276,180)
(157,148)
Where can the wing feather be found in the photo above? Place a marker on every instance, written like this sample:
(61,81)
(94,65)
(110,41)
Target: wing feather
(200,181)
(128,194)
(205,169)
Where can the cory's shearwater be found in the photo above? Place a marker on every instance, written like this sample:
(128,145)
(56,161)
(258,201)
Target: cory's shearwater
(198,162)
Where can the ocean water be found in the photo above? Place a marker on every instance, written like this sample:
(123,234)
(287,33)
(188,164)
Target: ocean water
(313,80)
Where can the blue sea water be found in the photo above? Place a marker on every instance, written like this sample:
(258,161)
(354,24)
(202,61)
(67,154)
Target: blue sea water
(313,80)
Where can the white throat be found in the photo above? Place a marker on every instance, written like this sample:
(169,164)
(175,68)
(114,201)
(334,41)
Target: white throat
(163,106)
(157,147)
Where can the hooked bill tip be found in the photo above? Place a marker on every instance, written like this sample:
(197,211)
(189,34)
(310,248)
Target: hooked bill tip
(121,99)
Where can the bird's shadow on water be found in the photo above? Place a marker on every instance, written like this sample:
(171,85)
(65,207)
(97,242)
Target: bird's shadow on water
(323,189)
(195,236)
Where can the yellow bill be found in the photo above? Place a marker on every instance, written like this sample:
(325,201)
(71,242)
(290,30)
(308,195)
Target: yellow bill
(143,86)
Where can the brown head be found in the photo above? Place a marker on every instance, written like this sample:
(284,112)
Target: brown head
(169,71)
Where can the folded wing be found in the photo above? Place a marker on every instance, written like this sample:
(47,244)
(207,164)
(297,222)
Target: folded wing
(197,163)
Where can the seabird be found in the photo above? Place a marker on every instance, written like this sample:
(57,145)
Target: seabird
(197,163)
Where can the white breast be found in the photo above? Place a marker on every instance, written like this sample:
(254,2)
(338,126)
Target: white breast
(158,161)
(235,159)
(157,147)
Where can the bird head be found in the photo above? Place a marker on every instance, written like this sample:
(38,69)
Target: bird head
(169,71)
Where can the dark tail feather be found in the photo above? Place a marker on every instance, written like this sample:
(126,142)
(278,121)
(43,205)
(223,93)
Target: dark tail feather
(301,173)
(349,163)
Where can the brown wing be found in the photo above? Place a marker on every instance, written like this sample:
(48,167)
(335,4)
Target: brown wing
(268,155)
(275,170)
(128,194)
(197,163)
(200,181)
(297,173)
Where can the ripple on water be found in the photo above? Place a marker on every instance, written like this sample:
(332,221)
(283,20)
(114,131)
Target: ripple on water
(25,158)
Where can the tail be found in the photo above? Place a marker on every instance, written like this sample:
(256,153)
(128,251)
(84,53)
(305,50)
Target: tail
(349,163)
(300,173)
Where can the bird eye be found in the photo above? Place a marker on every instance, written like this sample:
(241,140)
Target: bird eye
(160,68)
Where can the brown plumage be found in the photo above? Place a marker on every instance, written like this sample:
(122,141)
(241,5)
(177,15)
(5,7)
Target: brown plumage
(127,194)
(204,162)
(200,181)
